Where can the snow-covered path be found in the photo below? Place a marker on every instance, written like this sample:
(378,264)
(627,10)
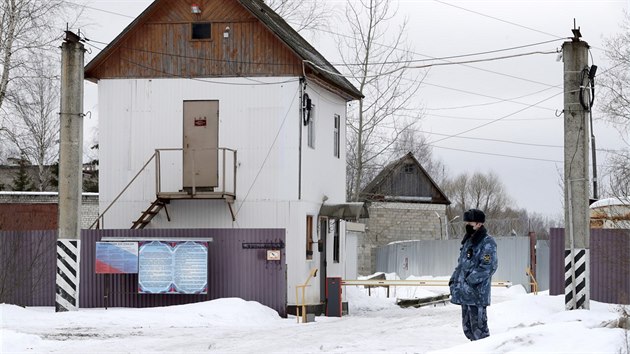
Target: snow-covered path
(519,322)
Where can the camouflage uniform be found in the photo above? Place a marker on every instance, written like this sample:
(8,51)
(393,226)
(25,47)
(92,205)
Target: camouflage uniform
(471,280)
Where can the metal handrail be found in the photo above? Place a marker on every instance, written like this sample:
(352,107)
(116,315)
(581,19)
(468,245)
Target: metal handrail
(123,191)
(158,177)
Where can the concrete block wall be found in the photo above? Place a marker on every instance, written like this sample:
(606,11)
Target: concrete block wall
(392,222)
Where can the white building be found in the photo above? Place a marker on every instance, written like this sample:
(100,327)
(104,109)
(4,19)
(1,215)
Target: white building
(243,123)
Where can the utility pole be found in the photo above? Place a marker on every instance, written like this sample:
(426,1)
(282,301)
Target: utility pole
(70,174)
(576,181)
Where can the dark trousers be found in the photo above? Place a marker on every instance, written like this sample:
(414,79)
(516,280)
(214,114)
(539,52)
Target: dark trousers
(475,322)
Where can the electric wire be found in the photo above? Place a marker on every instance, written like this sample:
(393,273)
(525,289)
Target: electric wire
(498,119)
(405,67)
(499,100)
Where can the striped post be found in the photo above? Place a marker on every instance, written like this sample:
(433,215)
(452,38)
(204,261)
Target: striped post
(576,286)
(67,281)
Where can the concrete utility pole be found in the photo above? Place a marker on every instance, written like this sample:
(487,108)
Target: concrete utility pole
(70,174)
(576,182)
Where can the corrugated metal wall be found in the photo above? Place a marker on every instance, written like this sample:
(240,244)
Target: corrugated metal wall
(233,271)
(609,265)
(24,258)
(542,264)
(439,258)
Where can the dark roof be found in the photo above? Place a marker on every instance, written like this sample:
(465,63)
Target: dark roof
(275,23)
(369,192)
(300,46)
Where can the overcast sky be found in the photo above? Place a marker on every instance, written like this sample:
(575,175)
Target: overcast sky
(525,92)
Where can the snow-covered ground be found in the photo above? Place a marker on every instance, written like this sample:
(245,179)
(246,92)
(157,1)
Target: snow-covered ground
(519,323)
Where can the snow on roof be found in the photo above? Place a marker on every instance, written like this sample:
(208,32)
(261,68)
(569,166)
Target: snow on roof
(610,202)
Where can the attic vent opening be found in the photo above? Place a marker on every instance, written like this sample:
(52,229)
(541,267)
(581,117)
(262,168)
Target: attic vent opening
(408,168)
(201,30)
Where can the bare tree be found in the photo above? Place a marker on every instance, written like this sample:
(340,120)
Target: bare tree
(27,26)
(614,102)
(34,125)
(302,15)
(479,191)
(376,58)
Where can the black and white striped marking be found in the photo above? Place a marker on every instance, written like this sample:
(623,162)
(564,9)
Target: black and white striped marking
(67,280)
(576,290)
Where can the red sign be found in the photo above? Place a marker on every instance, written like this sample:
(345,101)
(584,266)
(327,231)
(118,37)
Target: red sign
(200,122)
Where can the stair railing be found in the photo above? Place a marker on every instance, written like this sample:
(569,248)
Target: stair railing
(100,217)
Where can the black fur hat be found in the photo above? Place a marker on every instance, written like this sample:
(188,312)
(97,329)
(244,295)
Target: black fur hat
(475,215)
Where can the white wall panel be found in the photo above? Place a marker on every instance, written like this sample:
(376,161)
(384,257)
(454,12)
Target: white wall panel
(261,122)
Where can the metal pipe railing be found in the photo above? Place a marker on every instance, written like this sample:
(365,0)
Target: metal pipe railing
(100,217)
(158,177)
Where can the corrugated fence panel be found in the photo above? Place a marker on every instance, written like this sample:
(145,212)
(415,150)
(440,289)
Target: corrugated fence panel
(556,261)
(233,271)
(28,266)
(439,258)
(610,265)
(542,264)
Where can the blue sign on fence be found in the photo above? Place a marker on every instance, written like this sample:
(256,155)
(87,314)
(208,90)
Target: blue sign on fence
(177,267)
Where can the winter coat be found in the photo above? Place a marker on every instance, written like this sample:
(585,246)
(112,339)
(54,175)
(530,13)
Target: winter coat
(471,280)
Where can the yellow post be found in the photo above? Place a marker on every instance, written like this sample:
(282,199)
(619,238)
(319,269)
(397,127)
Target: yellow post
(302,304)
(528,271)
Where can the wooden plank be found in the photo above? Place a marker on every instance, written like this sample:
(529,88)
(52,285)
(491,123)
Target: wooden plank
(416,282)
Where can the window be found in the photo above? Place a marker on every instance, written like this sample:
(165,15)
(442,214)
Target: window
(408,168)
(309,237)
(336,137)
(336,241)
(201,30)
(311,128)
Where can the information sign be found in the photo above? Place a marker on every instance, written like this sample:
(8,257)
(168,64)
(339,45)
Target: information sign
(173,267)
(116,257)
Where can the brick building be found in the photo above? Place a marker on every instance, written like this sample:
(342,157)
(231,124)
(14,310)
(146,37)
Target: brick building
(21,211)
(404,204)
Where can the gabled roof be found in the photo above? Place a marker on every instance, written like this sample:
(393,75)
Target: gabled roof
(300,46)
(313,60)
(373,191)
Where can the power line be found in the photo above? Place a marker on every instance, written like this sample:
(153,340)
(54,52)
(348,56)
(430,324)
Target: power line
(499,19)
(452,56)
(498,119)
(495,154)
(499,100)
(429,115)
(404,67)
(431,57)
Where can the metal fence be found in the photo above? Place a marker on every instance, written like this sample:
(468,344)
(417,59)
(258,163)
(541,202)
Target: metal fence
(609,265)
(235,269)
(439,258)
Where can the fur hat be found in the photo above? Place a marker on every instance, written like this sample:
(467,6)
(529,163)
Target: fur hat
(474,215)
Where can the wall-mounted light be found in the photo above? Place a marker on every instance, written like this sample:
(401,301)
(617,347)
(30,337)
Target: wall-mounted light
(226,32)
(194,8)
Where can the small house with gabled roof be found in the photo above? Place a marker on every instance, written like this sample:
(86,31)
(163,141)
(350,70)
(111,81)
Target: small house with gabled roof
(405,203)
(217,114)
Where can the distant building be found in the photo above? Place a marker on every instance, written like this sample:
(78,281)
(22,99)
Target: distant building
(611,213)
(405,204)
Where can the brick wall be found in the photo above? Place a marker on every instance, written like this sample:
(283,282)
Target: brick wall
(391,222)
(20,211)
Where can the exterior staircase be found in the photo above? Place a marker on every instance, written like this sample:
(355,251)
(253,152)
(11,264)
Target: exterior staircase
(150,213)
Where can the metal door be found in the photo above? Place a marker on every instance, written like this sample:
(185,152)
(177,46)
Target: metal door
(201,143)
